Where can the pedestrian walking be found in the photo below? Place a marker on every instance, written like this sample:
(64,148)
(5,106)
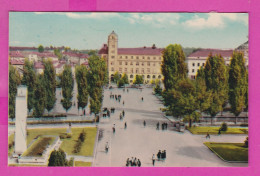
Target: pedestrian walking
(207,136)
(127,90)
(107,146)
(123,112)
(153,159)
(157,126)
(142,98)
(138,163)
(125,125)
(127,162)
(144,123)
(159,155)
(123,103)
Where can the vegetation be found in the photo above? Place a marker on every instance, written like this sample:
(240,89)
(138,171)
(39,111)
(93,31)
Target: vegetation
(138,79)
(238,84)
(116,77)
(246,142)
(40,96)
(58,53)
(123,80)
(81,78)
(229,151)
(214,130)
(40,48)
(224,127)
(80,141)
(82,164)
(14,81)
(58,158)
(50,84)
(29,79)
(67,85)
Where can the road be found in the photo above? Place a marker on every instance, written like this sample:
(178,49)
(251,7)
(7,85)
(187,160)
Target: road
(183,149)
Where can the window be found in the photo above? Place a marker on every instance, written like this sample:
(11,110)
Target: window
(126,63)
(148,63)
(154,58)
(148,58)
(126,57)
(113,46)
(132,57)
(148,76)
(198,64)
(203,64)
(159,76)
(120,70)
(193,64)
(132,70)
(154,64)
(137,63)
(142,64)
(142,70)
(131,63)
(137,57)
(120,57)
(131,76)
(143,76)
(143,57)
(113,51)
(112,57)
(137,70)
(193,70)
(112,69)
(120,63)
(131,81)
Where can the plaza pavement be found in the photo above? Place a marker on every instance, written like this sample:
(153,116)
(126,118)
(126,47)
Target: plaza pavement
(182,149)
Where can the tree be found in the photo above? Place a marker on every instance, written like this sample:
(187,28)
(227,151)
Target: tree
(58,158)
(116,77)
(50,84)
(58,53)
(174,66)
(237,83)
(92,52)
(39,97)
(183,101)
(67,85)
(216,79)
(123,80)
(29,79)
(40,48)
(14,81)
(138,79)
(81,78)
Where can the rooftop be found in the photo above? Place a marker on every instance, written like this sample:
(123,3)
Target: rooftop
(206,52)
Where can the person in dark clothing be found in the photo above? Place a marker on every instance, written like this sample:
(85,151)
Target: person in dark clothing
(159,155)
(153,159)
(142,98)
(144,123)
(166,125)
(162,155)
(127,162)
(123,112)
(125,125)
(162,126)
(157,126)
(138,163)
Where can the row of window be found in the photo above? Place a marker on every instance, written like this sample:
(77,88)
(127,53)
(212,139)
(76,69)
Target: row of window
(198,64)
(137,57)
(148,76)
(132,70)
(137,63)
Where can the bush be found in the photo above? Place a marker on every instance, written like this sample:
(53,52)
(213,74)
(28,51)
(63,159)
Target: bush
(80,140)
(246,142)
(223,127)
(65,135)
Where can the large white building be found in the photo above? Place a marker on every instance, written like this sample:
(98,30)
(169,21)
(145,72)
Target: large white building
(145,61)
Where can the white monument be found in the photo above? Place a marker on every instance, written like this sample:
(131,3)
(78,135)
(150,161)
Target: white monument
(20,120)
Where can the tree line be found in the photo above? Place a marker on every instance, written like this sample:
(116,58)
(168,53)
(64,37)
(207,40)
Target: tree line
(214,87)
(42,87)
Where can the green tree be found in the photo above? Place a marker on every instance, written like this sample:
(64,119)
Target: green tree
(92,52)
(58,158)
(123,80)
(58,53)
(183,101)
(40,48)
(29,79)
(81,77)
(237,83)
(116,77)
(67,85)
(39,97)
(14,81)
(174,67)
(216,79)
(50,84)
(138,79)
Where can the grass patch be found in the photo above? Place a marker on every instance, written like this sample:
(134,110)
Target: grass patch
(82,164)
(10,144)
(68,144)
(229,151)
(26,165)
(214,130)
(38,147)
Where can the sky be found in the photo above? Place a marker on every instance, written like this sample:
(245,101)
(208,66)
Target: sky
(86,30)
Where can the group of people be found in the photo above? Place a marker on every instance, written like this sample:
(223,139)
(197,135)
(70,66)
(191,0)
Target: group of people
(133,162)
(117,97)
(122,115)
(126,90)
(161,155)
(164,126)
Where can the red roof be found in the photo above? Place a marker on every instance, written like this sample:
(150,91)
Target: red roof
(206,52)
(80,55)
(16,54)
(22,48)
(38,65)
(134,51)
(59,65)
(84,63)
(17,62)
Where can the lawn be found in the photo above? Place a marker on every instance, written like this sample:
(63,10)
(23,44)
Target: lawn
(38,147)
(229,151)
(82,164)
(69,143)
(10,142)
(27,165)
(214,130)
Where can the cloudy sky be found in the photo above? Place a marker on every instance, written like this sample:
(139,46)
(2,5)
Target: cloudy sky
(90,30)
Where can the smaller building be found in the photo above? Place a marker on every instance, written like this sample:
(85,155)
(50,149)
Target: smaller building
(38,67)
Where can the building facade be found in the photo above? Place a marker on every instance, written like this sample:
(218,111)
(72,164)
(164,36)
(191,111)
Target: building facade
(145,61)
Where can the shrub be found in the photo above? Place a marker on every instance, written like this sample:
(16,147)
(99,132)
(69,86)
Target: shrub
(223,127)
(246,142)
(80,140)
(65,135)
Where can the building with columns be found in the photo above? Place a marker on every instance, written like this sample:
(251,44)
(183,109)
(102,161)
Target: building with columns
(145,61)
